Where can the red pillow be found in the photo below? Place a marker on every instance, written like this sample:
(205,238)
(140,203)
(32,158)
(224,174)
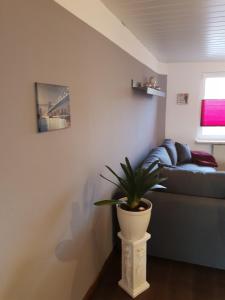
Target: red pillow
(203,159)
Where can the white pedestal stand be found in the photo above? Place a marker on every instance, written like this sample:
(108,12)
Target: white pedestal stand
(134,265)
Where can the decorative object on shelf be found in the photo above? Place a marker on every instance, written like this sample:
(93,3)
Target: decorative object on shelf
(134,213)
(147,87)
(182,98)
(53,108)
(151,83)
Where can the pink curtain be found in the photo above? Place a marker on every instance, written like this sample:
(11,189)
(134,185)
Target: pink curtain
(213,112)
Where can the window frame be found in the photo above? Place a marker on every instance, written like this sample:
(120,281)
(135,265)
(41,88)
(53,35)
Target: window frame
(200,135)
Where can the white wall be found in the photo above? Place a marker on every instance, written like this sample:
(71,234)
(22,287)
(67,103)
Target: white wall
(95,14)
(182,121)
(53,240)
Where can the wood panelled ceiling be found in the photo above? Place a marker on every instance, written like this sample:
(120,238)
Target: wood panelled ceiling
(176,30)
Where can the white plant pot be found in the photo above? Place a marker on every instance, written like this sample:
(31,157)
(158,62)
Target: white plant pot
(133,225)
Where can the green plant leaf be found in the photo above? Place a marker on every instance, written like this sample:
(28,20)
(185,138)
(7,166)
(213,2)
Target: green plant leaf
(125,170)
(139,176)
(120,187)
(131,195)
(150,184)
(154,173)
(152,166)
(135,183)
(129,179)
(129,168)
(111,181)
(120,179)
(158,186)
(107,202)
(113,172)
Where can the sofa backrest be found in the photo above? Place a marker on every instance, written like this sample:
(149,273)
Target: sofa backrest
(171,149)
(195,183)
(158,153)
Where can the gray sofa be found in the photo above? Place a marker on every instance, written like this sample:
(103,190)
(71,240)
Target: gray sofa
(188,218)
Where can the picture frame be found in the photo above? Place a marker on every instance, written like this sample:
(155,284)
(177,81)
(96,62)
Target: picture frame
(53,107)
(182,98)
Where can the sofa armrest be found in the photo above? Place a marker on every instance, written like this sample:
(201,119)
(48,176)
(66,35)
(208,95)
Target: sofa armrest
(203,184)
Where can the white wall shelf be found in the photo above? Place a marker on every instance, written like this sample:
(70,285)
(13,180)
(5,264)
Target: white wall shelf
(150,91)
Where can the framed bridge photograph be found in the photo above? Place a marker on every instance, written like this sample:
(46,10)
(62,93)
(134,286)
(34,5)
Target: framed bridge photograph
(53,106)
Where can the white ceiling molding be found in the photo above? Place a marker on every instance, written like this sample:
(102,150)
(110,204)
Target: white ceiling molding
(96,15)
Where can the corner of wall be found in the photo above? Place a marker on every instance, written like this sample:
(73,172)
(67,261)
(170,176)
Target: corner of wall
(102,19)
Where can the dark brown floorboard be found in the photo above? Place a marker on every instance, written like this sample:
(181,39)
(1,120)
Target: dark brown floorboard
(169,280)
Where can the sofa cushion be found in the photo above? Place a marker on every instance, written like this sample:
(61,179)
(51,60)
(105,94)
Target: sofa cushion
(158,153)
(183,153)
(171,149)
(203,159)
(194,183)
(195,168)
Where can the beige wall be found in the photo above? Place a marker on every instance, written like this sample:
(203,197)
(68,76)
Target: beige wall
(53,240)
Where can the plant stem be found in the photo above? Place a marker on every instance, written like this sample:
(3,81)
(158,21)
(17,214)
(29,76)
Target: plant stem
(133,202)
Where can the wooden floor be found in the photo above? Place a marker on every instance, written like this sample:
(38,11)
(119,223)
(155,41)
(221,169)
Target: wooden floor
(169,281)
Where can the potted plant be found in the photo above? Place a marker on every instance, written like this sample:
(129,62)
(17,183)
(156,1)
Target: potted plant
(133,211)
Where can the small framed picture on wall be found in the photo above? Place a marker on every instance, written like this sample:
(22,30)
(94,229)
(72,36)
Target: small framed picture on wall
(53,106)
(182,98)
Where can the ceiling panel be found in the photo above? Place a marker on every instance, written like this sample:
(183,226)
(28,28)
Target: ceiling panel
(176,30)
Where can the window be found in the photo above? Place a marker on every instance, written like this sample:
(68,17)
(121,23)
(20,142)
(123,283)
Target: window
(213,107)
